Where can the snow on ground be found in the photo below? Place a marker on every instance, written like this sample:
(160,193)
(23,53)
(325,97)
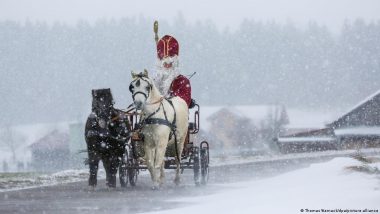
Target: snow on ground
(16,181)
(22,180)
(230,160)
(328,186)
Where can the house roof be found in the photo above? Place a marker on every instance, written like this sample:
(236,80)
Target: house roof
(223,112)
(313,133)
(358,131)
(366,112)
(298,118)
(305,139)
(55,140)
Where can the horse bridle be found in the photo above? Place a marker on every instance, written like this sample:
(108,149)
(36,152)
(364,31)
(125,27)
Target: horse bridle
(140,92)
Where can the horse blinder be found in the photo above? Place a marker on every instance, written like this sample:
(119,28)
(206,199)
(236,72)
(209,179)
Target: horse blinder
(131,87)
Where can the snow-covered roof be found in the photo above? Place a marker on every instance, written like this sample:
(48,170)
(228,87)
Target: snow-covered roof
(363,101)
(305,139)
(367,99)
(361,131)
(52,141)
(298,118)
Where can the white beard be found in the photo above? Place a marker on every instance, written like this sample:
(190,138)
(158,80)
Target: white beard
(164,77)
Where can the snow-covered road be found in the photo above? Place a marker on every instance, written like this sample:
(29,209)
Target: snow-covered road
(329,187)
(75,197)
(286,184)
(17,181)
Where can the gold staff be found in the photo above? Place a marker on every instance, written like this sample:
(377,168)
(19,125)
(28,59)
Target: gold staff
(155,29)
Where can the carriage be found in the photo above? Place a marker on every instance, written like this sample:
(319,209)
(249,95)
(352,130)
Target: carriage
(194,156)
(116,138)
(160,135)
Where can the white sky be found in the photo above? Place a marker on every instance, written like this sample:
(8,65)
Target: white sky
(222,12)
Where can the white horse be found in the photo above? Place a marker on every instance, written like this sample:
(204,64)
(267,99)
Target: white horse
(163,121)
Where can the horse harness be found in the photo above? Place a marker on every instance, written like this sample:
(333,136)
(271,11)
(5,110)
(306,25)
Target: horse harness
(159,121)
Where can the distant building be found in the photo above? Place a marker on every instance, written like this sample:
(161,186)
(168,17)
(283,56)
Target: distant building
(222,122)
(60,149)
(309,141)
(235,132)
(366,113)
(51,153)
(358,128)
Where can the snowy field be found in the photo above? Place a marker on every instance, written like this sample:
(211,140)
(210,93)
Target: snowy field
(24,180)
(329,187)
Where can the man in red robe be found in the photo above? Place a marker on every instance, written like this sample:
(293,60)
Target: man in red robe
(168,79)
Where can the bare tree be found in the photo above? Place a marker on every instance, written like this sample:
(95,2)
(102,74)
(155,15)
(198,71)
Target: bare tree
(10,140)
(274,124)
(245,134)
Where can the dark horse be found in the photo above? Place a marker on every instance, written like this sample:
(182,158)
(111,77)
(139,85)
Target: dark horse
(106,134)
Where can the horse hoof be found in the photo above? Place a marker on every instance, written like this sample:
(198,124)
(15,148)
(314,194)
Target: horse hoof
(91,188)
(111,188)
(155,187)
(177,181)
(111,185)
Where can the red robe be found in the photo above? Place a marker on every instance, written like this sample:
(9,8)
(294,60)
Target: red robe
(181,87)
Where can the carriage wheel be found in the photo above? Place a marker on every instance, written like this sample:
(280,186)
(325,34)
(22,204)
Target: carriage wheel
(196,167)
(204,166)
(205,159)
(132,171)
(123,171)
